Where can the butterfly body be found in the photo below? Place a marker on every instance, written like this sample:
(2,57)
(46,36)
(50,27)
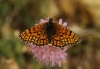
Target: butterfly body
(50,30)
(49,33)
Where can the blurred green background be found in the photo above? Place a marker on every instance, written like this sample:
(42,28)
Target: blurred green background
(82,16)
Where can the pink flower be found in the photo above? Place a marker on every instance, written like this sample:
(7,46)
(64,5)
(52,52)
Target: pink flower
(49,54)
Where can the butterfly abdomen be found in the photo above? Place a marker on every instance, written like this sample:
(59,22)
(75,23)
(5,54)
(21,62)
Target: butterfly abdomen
(50,30)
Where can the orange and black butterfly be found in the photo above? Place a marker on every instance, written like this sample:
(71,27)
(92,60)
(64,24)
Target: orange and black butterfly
(50,33)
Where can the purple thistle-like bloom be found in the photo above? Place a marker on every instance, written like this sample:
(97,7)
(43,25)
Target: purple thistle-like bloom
(49,54)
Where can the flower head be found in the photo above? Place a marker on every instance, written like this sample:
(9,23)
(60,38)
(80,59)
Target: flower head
(49,54)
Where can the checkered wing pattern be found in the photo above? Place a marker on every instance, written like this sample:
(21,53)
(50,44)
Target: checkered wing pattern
(64,36)
(35,35)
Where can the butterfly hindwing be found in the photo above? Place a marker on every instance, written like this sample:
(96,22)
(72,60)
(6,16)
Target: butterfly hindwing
(35,35)
(64,36)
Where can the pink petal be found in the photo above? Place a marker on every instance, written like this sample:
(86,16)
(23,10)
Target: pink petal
(60,21)
(42,21)
(64,24)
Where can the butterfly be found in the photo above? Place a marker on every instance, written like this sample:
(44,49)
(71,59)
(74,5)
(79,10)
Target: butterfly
(50,33)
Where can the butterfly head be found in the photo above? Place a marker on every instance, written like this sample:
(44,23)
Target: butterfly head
(50,20)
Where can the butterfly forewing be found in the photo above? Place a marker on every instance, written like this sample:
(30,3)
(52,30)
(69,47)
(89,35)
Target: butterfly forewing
(64,36)
(35,35)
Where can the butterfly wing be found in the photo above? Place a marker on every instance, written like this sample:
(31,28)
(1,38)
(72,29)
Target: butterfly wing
(35,35)
(64,36)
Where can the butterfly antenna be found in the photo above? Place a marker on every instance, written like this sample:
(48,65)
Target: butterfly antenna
(41,12)
(57,15)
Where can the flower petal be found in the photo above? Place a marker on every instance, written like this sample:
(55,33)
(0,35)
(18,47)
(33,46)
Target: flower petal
(60,21)
(42,20)
(64,24)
